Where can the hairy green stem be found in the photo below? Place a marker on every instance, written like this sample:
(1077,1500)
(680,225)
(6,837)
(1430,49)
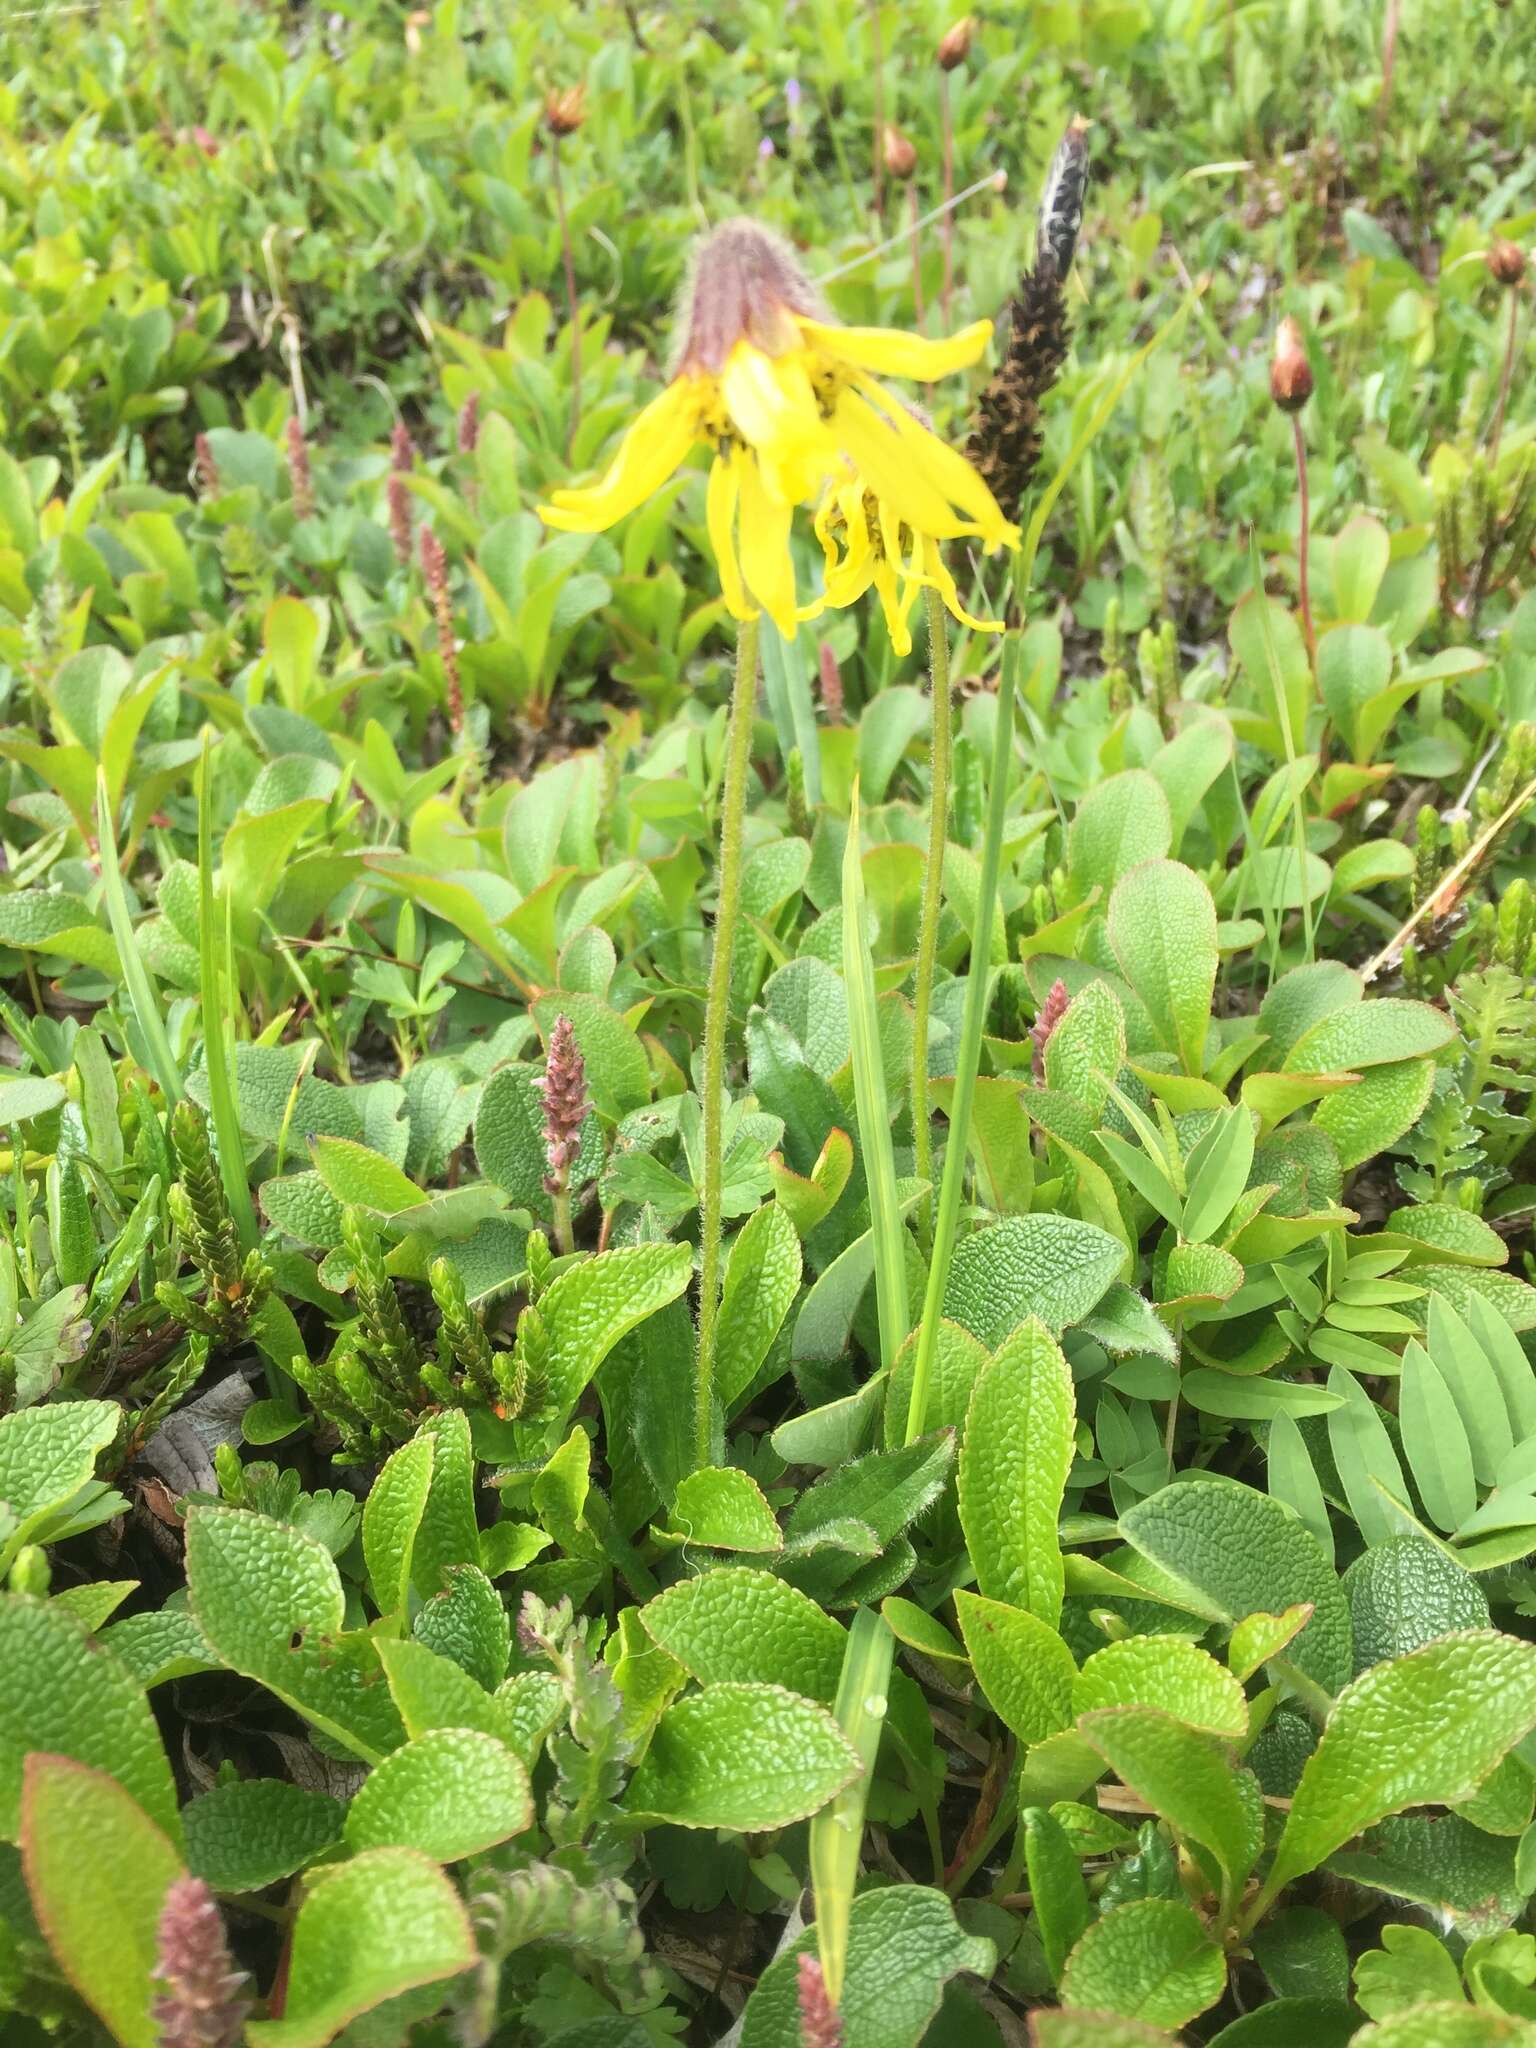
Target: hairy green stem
(738,760)
(933,883)
(973,1019)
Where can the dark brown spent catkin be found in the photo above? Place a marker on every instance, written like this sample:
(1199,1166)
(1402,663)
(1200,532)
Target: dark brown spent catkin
(1005,441)
(202,2004)
(821,2024)
(565,1104)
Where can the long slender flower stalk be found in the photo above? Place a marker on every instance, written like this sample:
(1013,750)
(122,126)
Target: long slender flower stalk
(1290,385)
(954,48)
(564,113)
(939,753)
(733,807)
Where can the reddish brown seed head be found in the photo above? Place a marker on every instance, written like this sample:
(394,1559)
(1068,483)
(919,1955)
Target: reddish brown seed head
(1290,374)
(955,44)
(899,150)
(565,109)
(1506,260)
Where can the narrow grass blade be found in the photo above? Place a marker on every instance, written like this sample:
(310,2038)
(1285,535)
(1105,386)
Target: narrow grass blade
(871,1105)
(141,988)
(218,1046)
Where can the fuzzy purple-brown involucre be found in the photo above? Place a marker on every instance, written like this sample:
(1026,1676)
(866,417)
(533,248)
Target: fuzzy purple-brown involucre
(565,1104)
(821,2024)
(203,2004)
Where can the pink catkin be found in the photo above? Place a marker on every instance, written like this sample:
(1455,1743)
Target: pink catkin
(565,1103)
(402,459)
(831,684)
(1052,1010)
(820,2024)
(434,567)
(208,479)
(469,424)
(202,2004)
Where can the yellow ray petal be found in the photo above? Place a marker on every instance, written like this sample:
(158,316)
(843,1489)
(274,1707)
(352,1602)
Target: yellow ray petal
(765,558)
(658,438)
(950,473)
(772,406)
(897,354)
(894,602)
(720,501)
(935,574)
(877,452)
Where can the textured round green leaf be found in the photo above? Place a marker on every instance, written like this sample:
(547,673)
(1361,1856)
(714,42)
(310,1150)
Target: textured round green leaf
(1187,1777)
(904,1944)
(1049,1266)
(1013,1469)
(747,1757)
(1021,1664)
(1120,822)
(724,1508)
(392,1514)
(468,1622)
(739,1624)
(367,1931)
(450,1793)
(957,1362)
(1162,926)
(1420,1730)
(594,1303)
(98,1870)
(269,1601)
(1169,1672)
(244,1836)
(1440,1231)
(1405,1592)
(1448,2026)
(1373,1114)
(48,1453)
(762,1278)
(1319,2022)
(1247,1554)
(1370,1034)
(1149,1960)
(63,1693)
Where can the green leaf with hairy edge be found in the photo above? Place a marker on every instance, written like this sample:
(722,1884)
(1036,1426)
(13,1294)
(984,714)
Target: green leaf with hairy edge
(1149,1960)
(468,1622)
(451,1793)
(357,1176)
(1434,1441)
(269,1600)
(1405,1592)
(448,1532)
(1420,1730)
(1167,1672)
(46,1455)
(885,1490)
(920,1631)
(1243,1552)
(1373,1034)
(1049,1266)
(1441,1231)
(725,1509)
(744,1625)
(1021,1664)
(1061,1904)
(244,1836)
(762,1278)
(1258,1637)
(591,1305)
(367,1930)
(1189,1779)
(904,1944)
(1162,927)
(1087,1049)
(958,1361)
(1386,1101)
(392,1514)
(98,1870)
(1120,823)
(63,1693)
(1012,1473)
(1363,1453)
(748,1757)
(431,1691)
(1127,1325)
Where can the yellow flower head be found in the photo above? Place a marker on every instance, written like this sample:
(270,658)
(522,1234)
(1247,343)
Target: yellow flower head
(788,403)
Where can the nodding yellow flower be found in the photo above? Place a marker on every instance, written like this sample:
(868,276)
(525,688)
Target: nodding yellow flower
(790,405)
(867,544)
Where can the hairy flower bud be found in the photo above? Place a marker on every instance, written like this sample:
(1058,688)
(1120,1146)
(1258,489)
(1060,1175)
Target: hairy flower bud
(955,44)
(1290,374)
(565,109)
(202,2005)
(899,151)
(745,284)
(1506,260)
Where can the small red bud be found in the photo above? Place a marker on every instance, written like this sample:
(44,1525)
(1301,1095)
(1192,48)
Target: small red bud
(1506,260)
(1290,374)
(565,109)
(955,44)
(900,152)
